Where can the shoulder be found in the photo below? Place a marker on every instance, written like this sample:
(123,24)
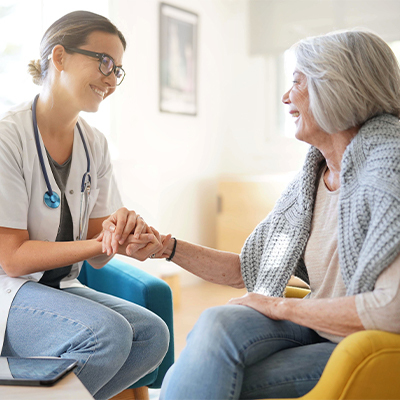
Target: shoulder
(96,142)
(374,154)
(20,113)
(16,125)
(381,134)
(92,133)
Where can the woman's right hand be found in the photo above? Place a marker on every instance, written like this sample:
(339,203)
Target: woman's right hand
(118,226)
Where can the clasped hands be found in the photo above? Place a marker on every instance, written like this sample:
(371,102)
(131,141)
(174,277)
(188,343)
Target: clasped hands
(125,232)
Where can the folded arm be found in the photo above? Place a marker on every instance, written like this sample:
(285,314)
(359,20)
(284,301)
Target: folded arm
(337,316)
(377,309)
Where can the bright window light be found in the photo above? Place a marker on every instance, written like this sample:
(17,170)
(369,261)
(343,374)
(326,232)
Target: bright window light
(22,25)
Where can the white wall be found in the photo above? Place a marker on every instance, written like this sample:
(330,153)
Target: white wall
(168,165)
(277,24)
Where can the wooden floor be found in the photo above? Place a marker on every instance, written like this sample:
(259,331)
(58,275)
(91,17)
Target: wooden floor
(194,300)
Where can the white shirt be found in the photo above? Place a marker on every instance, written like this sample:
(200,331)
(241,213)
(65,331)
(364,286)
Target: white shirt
(22,187)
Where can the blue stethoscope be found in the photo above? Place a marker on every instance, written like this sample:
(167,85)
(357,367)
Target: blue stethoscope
(52,199)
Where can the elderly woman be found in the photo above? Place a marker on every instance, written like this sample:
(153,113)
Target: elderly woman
(337,226)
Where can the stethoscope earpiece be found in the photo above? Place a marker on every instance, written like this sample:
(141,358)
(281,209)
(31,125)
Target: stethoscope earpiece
(51,200)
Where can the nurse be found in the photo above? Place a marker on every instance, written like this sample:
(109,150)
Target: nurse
(57,187)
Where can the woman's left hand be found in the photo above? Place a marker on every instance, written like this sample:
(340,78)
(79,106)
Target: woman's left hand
(118,226)
(269,306)
(146,245)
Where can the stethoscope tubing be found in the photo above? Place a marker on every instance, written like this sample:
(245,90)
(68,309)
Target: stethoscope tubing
(51,198)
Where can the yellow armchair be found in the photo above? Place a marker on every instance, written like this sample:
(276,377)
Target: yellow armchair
(364,365)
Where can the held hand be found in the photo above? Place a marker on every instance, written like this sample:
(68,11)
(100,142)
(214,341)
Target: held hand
(143,247)
(264,304)
(118,226)
(165,240)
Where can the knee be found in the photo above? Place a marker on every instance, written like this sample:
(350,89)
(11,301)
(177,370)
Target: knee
(216,321)
(158,336)
(114,335)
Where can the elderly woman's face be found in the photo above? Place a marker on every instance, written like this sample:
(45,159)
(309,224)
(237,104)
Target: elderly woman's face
(298,100)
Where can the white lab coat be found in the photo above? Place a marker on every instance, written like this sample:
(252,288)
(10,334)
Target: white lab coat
(22,187)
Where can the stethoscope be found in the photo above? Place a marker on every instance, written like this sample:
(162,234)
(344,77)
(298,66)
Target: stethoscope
(51,198)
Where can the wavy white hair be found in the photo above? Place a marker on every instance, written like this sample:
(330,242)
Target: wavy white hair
(352,76)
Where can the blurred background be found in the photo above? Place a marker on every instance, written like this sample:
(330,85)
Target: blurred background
(210,176)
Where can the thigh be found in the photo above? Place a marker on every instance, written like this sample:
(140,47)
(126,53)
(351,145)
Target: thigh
(44,321)
(246,334)
(287,373)
(225,342)
(144,323)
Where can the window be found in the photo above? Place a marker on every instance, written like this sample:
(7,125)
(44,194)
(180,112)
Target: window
(17,47)
(22,25)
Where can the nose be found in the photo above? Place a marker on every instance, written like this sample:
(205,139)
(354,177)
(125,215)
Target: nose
(110,80)
(285,97)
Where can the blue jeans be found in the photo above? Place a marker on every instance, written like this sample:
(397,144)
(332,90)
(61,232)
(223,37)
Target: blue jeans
(114,341)
(235,352)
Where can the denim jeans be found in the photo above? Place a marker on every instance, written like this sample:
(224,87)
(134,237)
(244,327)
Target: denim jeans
(114,341)
(235,352)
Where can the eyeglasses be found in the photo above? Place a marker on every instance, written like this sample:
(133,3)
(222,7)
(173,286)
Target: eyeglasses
(107,65)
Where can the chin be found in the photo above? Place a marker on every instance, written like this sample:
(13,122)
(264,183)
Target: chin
(302,136)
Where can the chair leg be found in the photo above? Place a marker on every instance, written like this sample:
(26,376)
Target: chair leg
(140,393)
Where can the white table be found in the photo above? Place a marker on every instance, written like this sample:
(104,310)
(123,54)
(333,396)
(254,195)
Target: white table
(68,388)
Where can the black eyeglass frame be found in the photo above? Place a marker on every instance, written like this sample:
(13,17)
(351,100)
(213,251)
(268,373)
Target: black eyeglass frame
(100,57)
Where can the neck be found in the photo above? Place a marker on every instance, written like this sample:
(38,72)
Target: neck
(332,147)
(55,117)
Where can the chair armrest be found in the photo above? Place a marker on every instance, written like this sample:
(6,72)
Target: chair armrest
(364,365)
(130,283)
(295,291)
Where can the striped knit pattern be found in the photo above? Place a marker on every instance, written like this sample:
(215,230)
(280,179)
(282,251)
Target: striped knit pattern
(369,216)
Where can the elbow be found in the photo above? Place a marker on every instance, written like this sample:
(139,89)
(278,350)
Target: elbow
(10,270)
(239,284)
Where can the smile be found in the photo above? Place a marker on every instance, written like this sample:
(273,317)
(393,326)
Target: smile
(98,91)
(295,114)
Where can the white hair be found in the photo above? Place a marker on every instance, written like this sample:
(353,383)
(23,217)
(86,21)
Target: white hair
(351,76)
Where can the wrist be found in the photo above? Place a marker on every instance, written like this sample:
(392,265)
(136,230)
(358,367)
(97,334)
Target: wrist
(171,249)
(285,308)
(95,246)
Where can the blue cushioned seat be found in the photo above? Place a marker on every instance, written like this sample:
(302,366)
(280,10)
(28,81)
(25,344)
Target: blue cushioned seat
(130,283)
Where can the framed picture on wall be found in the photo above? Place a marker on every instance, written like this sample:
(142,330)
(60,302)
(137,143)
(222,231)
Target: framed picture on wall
(178,60)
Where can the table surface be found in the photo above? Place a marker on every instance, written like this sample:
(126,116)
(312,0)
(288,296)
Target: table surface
(68,388)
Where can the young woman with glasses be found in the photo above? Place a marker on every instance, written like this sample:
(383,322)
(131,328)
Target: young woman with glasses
(57,189)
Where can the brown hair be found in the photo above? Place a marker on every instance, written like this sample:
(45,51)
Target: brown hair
(71,30)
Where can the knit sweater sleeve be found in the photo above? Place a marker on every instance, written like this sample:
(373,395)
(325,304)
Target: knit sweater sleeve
(252,253)
(264,246)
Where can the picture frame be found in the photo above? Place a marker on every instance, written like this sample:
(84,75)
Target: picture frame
(178,60)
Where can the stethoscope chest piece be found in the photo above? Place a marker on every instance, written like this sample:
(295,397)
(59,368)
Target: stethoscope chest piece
(51,200)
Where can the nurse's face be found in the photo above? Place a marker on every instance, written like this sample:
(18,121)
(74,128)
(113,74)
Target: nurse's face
(81,78)
(298,100)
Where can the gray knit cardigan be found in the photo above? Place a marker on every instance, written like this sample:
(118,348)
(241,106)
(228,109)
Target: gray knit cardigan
(368,216)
